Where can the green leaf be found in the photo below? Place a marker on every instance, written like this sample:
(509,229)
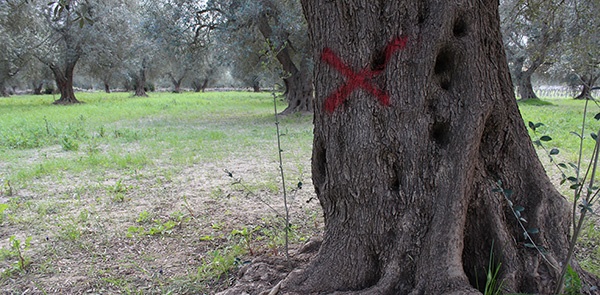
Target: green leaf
(576,134)
(563,165)
(529,245)
(554,151)
(537,143)
(573,179)
(533,230)
(574,166)
(597,116)
(523,219)
(545,138)
(508,192)
(594,136)
(519,208)
(531,125)
(538,125)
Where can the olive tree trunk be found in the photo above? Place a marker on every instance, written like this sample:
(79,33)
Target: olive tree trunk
(298,82)
(64,81)
(177,81)
(588,82)
(139,80)
(3,92)
(409,185)
(525,87)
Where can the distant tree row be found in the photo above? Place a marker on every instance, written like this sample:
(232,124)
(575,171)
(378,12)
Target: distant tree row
(130,43)
(555,39)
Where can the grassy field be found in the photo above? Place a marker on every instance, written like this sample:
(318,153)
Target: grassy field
(132,195)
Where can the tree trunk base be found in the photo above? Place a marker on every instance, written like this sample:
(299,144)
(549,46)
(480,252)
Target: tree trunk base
(66,101)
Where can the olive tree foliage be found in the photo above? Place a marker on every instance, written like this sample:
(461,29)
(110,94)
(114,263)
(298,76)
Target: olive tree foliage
(263,32)
(105,60)
(75,29)
(532,31)
(248,58)
(141,62)
(67,33)
(579,57)
(37,77)
(17,32)
(182,34)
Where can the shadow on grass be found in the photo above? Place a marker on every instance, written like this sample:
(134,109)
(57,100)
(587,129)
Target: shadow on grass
(534,102)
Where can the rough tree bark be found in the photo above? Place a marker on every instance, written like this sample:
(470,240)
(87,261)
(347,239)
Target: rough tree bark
(37,87)
(106,79)
(4,76)
(64,81)
(256,85)
(139,82)
(523,78)
(3,92)
(524,85)
(177,82)
(200,84)
(298,83)
(407,189)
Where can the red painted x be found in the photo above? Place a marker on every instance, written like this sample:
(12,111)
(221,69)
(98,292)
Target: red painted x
(360,79)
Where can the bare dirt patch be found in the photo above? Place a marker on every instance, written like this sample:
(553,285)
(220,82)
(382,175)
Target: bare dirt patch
(153,231)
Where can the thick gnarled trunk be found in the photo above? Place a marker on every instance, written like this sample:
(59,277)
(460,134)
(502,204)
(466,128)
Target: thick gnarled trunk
(525,87)
(299,85)
(37,87)
(64,82)
(3,91)
(588,82)
(177,82)
(139,81)
(408,186)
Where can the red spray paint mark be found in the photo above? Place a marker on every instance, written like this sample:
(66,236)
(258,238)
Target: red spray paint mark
(361,79)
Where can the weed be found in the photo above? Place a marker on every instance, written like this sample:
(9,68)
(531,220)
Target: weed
(207,238)
(144,217)
(246,235)
(92,148)
(118,190)
(70,230)
(220,262)
(572,282)
(16,250)
(158,226)
(3,208)
(161,228)
(7,189)
(492,285)
(69,144)
(84,215)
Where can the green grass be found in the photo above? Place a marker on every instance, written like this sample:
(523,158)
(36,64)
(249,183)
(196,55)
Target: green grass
(117,131)
(562,118)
